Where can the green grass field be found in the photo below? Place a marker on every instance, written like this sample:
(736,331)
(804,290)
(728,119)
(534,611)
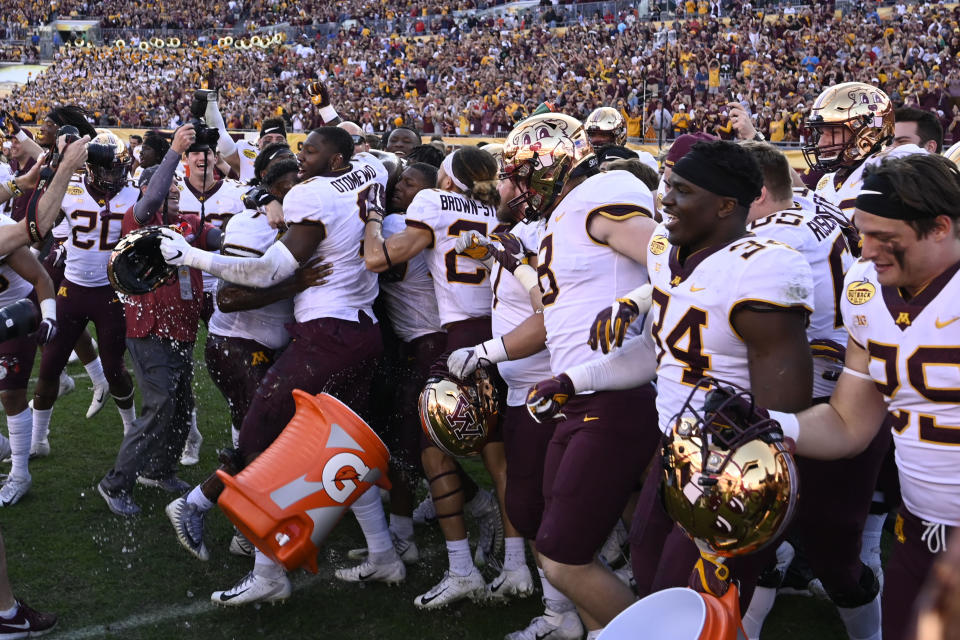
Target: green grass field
(109,577)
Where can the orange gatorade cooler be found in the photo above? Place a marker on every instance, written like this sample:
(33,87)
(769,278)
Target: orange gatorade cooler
(288,500)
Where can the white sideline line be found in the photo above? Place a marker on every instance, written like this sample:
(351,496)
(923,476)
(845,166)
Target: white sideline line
(174,612)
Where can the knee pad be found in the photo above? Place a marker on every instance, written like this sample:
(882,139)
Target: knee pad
(864,592)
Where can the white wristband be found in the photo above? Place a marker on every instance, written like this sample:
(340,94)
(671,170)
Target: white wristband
(22,136)
(642,296)
(198,259)
(328,113)
(527,276)
(48,309)
(789,424)
(493,350)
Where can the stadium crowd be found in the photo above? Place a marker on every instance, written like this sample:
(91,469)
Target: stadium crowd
(480,81)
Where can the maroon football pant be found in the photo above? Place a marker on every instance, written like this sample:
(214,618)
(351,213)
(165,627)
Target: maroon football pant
(525,441)
(236,366)
(325,355)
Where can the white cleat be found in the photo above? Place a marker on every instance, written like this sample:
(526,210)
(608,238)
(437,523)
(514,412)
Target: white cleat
(191,450)
(67,385)
(406,549)
(453,589)
(490,542)
(6,453)
(613,550)
(426,512)
(100,397)
(254,588)
(511,583)
(240,546)
(14,489)
(551,626)
(390,573)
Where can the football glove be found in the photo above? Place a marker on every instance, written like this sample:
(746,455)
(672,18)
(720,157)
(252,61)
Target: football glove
(546,398)
(473,245)
(173,246)
(46,331)
(463,362)
(610,326)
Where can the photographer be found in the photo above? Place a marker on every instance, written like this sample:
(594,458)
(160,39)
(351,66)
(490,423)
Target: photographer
(161,327)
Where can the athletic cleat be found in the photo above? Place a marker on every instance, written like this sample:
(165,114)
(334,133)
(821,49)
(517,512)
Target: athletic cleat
(390,573)
(14,489)
(240,546)
(100,397)
(511,582)
(187,521)
(170,484)
(426,512)
(191,450)
(6,453)
(406,549)
(254,588)
(67,385)
(489,549)
(625,575)
(551,626)
(27,623)
(121,504)
(453,589)
(40,449)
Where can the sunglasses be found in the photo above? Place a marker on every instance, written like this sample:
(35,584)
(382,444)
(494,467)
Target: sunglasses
(359,140)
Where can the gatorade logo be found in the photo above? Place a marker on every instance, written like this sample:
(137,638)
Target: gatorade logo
(341,475)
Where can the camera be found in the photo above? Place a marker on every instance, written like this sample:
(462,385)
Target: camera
(205,136)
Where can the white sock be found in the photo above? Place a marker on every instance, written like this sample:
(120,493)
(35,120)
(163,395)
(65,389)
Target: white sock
(481,503)
(553,599)
(593,635)
(20,428)
(95,371)
(870,545)
(196,497)
(264,566)
(513,554)
(461,562)
(373,522)
(41,424)
(9,613)
(760,605)
(402,526)
(127,415)
(863,622)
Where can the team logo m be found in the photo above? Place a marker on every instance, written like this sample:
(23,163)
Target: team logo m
(462,421)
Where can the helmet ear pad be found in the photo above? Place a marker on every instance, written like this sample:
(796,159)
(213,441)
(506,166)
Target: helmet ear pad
(136,264)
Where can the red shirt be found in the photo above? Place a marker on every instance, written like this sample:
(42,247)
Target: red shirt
(163,312)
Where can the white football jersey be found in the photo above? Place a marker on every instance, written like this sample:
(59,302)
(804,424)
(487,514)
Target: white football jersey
(12,286)
(94,229)
(333,201)
(578,275)
(693,304)
(408,292)
(511,306)
(462,285)
(249,235)
(816,233)
(221,201)
(843,193)
(248,153)
(914,349)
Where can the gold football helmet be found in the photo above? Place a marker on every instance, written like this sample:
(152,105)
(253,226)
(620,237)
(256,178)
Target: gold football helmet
(540,155)
(496,150)
(108,161)
(861,117)
(606,126)
(728,480)
(458,415)
(953,153)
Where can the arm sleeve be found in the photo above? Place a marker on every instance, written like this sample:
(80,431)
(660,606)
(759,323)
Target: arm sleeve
(275,265)
(147,207)
(630,366)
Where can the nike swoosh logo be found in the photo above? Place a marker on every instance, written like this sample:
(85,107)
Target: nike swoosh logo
(432,598)
(365,577)
(544,636)
(179,253)
(22,625)
(590,418)
(496,587)
(694,289)
(941,325)
(227,596)
(559,217)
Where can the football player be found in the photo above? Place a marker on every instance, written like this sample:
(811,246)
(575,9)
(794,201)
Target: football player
(605,128)
(836,495)
(402,140)
(597,224)
(465,200)
(215,202)
(703,265)
(335,339)
(22,277)
(899,308)
(93,207)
